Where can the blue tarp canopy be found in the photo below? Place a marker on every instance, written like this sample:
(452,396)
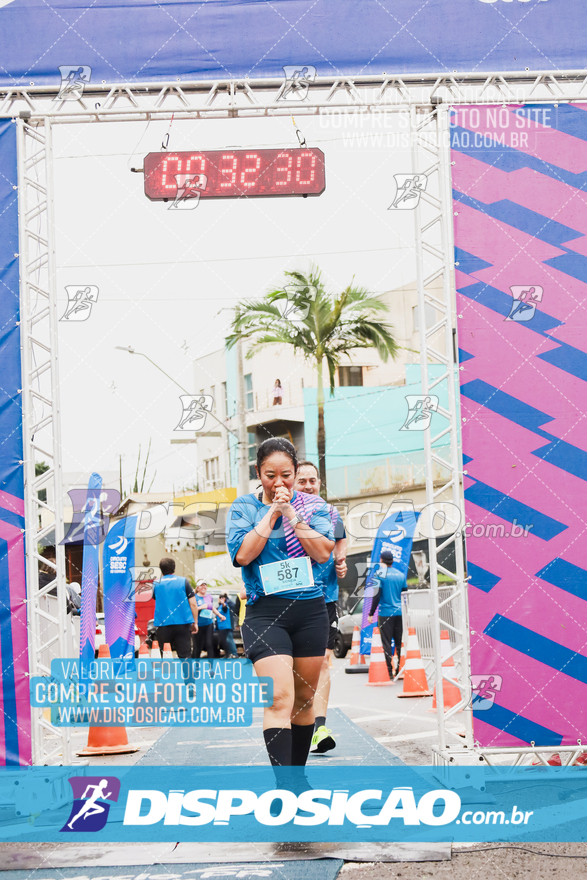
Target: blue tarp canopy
(141,41)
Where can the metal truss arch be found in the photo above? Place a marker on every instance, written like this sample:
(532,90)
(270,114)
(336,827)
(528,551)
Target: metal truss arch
(264,97)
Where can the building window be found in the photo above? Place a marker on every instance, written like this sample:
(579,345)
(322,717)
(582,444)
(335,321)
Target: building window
(252,455)
(350,376)
(213,393)
(225,397)
(249,400)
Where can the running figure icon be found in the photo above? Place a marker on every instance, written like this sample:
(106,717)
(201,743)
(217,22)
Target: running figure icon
(524,300)
(409,189)
(420,409)
(91,808)
(195,409)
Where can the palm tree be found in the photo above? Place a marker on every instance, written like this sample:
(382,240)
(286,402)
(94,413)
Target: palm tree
(320,325)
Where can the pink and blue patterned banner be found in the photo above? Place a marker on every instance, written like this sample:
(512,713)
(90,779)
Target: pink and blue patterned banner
(15,711)
(519,177)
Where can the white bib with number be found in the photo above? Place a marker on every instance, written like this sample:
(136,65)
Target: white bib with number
(287,574)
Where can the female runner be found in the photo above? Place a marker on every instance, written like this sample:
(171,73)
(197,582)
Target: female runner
(281,538)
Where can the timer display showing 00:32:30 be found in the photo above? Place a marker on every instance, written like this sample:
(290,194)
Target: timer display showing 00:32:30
(237,173)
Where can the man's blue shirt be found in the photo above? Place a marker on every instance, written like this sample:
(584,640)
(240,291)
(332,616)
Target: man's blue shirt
(171,601)
(392,583)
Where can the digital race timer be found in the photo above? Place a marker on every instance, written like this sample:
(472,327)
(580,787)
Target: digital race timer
(226,174)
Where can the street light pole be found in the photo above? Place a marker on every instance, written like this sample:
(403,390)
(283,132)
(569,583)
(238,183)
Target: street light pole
(240,434)
(185,391)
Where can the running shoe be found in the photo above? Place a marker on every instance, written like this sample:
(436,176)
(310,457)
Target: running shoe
(322,741)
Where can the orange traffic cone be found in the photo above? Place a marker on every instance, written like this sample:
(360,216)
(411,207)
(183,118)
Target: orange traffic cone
(450,689)
(155,651)
(415,683)
(143,649)
(107,740)
(378,672)
(167,650)
(402,661)
(357,661)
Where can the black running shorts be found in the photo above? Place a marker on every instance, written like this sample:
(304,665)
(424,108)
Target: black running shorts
(275,625)
(332,610)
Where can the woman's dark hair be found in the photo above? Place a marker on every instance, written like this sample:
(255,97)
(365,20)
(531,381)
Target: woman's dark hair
(276,444)
(278,382)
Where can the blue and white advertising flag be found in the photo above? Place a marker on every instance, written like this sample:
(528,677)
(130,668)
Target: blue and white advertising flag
(90,568)
(396,533)
(118,560)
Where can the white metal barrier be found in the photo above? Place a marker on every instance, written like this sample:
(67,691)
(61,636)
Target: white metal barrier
(417,612)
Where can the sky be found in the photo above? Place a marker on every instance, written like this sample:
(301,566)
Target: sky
(167,281)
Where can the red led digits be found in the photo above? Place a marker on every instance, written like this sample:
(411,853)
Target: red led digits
(172,164)
(284,163)
(308,170)
(229,162)
(254,178)
(238,173)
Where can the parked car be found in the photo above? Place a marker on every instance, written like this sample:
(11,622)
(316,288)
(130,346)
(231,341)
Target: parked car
(100,637)
(346,626)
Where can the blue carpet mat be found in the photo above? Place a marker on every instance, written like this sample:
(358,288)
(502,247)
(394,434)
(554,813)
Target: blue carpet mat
(209,746)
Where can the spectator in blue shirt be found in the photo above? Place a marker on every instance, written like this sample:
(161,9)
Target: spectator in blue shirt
(176,613)
(390,584)
(204,640)
(225,638)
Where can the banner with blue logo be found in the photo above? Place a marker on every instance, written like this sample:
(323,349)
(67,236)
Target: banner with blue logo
(90,569)
(396,534)
(118,560)
(232,804)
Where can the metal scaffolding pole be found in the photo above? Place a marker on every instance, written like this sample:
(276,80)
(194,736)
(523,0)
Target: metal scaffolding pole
(435,290)
(50,631)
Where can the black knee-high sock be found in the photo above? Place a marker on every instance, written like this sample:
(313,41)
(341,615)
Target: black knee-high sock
(301,740)
(320,721)
(278,741)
